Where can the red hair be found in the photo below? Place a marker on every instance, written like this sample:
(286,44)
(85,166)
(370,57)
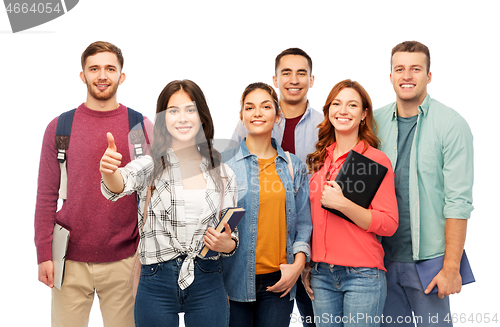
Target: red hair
(326,134)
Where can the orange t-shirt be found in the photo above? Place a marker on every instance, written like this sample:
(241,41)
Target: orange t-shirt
(271,226)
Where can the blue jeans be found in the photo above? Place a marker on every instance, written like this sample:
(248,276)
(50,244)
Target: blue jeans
(347,296)
(405,294)
(159,298)
(304,305)
(269,310)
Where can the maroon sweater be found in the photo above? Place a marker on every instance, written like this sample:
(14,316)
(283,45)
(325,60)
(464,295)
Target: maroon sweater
(100,230)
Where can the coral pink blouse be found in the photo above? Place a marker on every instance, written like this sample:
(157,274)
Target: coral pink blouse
(338,242)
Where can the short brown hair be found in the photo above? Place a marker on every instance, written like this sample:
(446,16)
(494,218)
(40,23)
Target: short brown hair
(413,46)
(294,52)
(101,46)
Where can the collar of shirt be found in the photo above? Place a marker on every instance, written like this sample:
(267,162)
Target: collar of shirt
(422,109)
(360,148)
(244,152)
(282,121)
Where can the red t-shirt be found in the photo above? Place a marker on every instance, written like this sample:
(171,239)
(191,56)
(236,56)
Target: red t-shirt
(288,142)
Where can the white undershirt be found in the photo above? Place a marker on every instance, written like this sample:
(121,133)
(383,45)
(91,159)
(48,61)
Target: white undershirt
(193,206)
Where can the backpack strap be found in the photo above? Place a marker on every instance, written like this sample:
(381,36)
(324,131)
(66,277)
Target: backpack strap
(136,128)
(290,167)
(63,132)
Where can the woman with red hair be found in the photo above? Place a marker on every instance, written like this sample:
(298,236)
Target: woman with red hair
(346,276)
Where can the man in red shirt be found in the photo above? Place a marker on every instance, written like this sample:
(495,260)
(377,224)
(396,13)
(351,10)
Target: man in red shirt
(103,235)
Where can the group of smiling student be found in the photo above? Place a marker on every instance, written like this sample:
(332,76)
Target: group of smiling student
(286,246)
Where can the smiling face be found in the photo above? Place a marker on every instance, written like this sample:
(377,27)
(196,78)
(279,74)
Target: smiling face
(259,112)
(409,77)
(182,120)
(346,112)
(102,75)
(293,79)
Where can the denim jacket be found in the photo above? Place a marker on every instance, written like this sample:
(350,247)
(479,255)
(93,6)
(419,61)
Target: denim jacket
(239,270)
(306,132)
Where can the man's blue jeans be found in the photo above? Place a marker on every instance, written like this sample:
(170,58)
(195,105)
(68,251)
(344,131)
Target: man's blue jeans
(269,310)
(160,300)
(347,296)
(405,294)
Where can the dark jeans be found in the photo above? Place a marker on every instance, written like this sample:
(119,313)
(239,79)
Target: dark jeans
(305,305)
(160,300)
(269,310)
(406,302)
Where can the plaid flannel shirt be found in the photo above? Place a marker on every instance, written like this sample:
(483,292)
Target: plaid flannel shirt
(163,236)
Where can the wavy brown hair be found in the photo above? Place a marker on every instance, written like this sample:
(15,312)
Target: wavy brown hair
(204,137)
(326,134)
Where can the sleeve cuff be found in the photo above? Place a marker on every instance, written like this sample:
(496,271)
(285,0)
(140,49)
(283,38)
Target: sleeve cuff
(302,247)
(234,250)
(108,194)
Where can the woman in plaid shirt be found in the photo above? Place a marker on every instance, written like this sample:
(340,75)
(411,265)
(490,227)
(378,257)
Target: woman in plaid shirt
(187,183)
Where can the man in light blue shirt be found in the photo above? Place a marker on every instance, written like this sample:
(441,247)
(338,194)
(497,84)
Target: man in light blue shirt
(430,146)
(297,130)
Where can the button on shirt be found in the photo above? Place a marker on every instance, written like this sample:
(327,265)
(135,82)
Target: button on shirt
(398,246)
(239,270)
(441,171)
(339,242)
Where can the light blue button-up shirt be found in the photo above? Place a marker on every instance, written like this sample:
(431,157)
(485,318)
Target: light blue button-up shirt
(441,171)
(239,269)
(306,132)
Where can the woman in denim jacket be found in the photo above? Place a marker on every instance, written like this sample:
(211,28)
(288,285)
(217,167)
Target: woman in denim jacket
(274,233)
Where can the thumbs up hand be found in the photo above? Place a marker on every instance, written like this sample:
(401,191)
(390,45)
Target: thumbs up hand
(111,141)
(111,159)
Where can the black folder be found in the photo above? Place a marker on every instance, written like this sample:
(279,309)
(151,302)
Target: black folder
(359,178)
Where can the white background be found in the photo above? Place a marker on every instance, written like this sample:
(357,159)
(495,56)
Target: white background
(223,46)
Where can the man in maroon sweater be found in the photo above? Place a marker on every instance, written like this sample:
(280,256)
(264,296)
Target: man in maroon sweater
(104,235)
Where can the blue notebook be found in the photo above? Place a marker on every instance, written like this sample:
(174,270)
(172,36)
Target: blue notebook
(230,215)
(428,269)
